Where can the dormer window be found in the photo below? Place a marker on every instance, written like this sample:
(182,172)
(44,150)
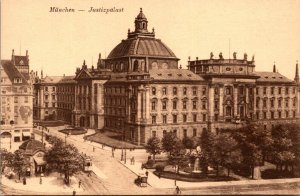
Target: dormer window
(17,80)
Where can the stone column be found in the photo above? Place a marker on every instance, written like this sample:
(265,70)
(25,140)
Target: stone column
(221,108)
(139,104)
(147,105)
(254,102)
(93,98)
(211,103)
(247,100)
(235,99)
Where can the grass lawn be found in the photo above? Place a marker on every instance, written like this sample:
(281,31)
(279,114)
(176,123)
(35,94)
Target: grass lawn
(193,177)
(73,131)
(108,141)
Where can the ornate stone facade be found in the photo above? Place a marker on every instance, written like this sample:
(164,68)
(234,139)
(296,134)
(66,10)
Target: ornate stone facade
(16,99)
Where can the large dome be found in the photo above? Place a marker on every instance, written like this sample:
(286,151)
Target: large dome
(142,46)
(141,42)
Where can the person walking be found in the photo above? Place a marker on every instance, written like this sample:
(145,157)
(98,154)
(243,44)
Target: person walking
(133,160)
(177,191)
(74,192)
(147,173)
(79,184)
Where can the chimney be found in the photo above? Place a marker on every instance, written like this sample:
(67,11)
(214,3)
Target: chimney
(274,68)
(27,53)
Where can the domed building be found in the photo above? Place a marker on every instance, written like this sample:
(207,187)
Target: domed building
(140,91)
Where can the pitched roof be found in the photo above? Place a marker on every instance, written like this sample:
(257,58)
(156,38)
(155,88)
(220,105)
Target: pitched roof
(52,79)
(174,75)
(12,72)
(272,77)
(31,146)
(21,60)
(67,79)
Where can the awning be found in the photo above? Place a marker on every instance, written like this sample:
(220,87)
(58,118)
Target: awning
(39,160)
(27,134)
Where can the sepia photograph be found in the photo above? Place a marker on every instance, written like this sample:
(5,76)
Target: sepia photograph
(150,97)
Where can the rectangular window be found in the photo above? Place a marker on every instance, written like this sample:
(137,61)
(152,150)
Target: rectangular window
(286,103)
(257,115)
(184,118)
(194,105)
(16,100)
(194,90)
(46,105)
(184,91)
(265,115)
(204,105)
(184,133)
(204,117)
(164,91)
(279,103)
(174,105)
(184,105)
(46,97)
(265,103)
(195,117)
(153,105)
(287,90)
(272,103)
(287,114)
(194,132)
(175,132)
(53,88)
(153,133)
(53,97)
(272,115)
(279,90)
(46,88)
(265,90)
(294,114)
(203,91)
(279,114)
(164,119)
(216,117)
(174,118)
(53,105)
(272,90)
(164,105)
(257,90)
(26,99)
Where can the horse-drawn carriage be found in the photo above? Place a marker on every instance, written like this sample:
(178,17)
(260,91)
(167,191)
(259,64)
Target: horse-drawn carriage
(141,180)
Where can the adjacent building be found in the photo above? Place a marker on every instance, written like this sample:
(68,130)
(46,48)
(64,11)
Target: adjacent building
(16,99)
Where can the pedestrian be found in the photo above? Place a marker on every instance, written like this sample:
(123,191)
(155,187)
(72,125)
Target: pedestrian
(147,173)
(79,183)
(89,174)
(177,191)
(93,149)
(102,146)
(142,166)
(41,180)
(74,192)
(24,181)
(133,160)
(112,152)
(159,175)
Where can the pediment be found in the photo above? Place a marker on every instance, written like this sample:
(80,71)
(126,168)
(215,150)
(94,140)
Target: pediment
(83,75)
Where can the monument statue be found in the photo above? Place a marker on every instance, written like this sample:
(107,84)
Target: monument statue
(234,55)
(211,55)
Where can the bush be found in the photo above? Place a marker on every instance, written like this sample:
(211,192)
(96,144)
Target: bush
(273,174)
(159,168)
(150,163)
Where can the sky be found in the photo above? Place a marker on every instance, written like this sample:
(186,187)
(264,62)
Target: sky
(59,42)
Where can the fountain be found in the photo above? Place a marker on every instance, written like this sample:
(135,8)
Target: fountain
(197,162)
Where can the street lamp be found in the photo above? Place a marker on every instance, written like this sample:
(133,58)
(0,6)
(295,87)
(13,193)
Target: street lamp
(12,124)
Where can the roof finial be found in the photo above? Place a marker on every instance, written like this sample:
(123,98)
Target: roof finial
(297,73)
(180,67)
(274,67)
(141,10)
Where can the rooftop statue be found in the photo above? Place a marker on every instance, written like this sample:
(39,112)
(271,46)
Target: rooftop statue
(234,55)
(221,55)
(253,58)
(211,55)
(245,56)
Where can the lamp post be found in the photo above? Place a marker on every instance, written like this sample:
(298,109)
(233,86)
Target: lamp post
(12,124)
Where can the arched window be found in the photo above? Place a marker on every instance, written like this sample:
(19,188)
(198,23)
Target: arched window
(228,111)
(153,91)
(144,25)
(135,65)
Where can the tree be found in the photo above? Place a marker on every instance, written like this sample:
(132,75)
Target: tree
(225,152)
(6,159)
(169,143)
(19,163)
(188,143)
(65,159)
(206,143)
(283,152)
(153,146)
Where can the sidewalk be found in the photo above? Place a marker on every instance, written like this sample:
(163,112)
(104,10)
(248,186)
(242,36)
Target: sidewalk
(50,184)
(156,182)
